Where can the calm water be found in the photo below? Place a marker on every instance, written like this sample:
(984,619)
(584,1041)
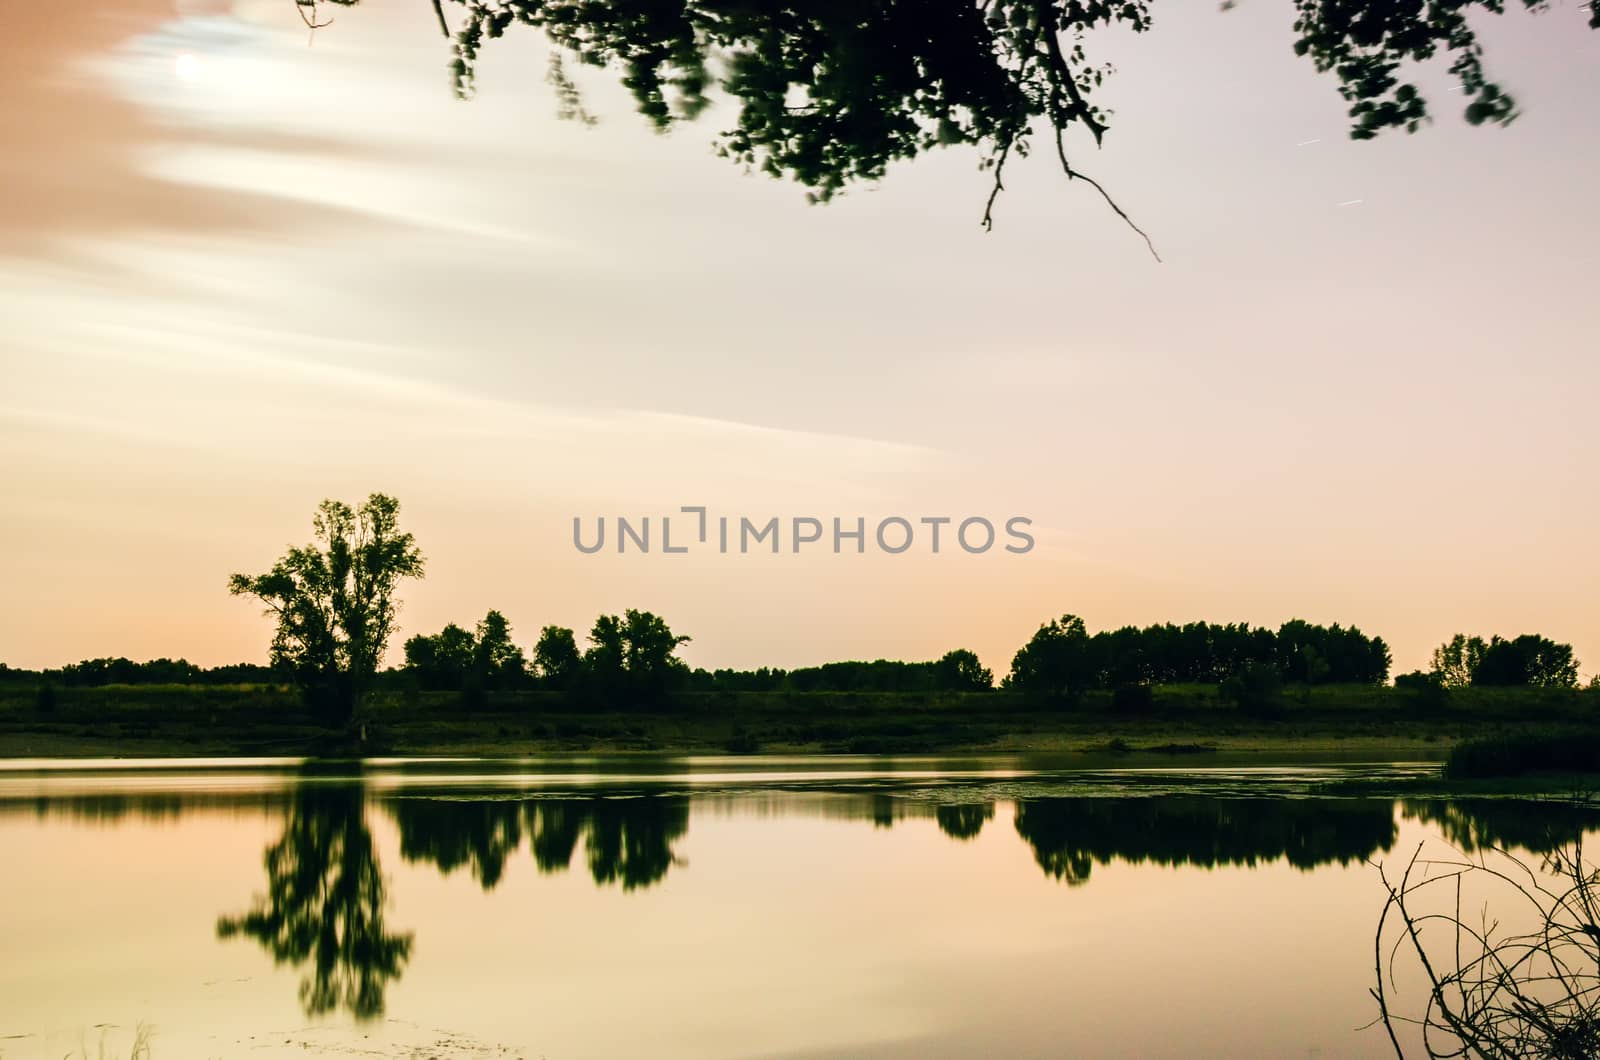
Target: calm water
(704,908)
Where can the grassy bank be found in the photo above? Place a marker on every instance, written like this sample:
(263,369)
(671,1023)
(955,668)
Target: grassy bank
(265,719)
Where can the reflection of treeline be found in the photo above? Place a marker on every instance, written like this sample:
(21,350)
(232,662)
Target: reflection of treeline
(625,840)
(1069,836)
(110,807)
(1539,826)
(324,906)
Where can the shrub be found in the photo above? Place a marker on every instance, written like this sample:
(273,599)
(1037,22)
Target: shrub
(1256,690)
(1133,698)
(741,742)
(1509,756)
(1423,689)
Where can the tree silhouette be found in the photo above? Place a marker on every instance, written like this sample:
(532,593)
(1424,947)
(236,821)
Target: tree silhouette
(334,600)
(441,661)
(831,92)
(1056,663)
(960,670)
(632,657)
(1521,661)
(455,659)
(556,658)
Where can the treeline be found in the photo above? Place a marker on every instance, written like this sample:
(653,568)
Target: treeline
(634,655)
(955,671)
(633,658)
(1064,660)
(94,673)
(1499,662)
(333,605)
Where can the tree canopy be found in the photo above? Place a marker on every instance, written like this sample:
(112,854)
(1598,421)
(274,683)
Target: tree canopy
(1527,660)
(831,92)
(455,658)
(632,657)
(1062,660)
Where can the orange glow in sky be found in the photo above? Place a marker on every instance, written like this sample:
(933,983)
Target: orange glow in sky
(240,272)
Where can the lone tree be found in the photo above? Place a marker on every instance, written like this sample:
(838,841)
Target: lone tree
(334,601)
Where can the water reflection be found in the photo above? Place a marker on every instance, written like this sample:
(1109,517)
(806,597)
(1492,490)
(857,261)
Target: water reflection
(1068,836)
(1538,826)
(450,834)
(324,905)
(963,820)
(626,840)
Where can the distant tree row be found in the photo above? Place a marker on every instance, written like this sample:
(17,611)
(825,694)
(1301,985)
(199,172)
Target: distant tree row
(955,671)
(1063,660)
(635,656)
(95,673)
(632,657)
(455,659)
(334,606)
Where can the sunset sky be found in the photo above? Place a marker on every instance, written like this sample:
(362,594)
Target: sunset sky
(241,271)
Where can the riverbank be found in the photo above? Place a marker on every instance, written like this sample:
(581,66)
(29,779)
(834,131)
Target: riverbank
(187,720)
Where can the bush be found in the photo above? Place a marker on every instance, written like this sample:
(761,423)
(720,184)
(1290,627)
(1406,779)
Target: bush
(1256,690)
(1423,690)
(1509,756)
(1133,698)
(741,742)
(45,699)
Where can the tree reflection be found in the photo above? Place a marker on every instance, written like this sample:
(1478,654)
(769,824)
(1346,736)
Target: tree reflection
(1539,826)
(450,833)
(964,820)
(324,905)
(1070,835)
(556,826)
(626,840)
(630,840)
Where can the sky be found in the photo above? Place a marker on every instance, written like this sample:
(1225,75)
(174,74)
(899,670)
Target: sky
(244,268)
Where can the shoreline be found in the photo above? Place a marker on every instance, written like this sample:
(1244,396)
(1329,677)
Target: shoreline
(1182,722)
